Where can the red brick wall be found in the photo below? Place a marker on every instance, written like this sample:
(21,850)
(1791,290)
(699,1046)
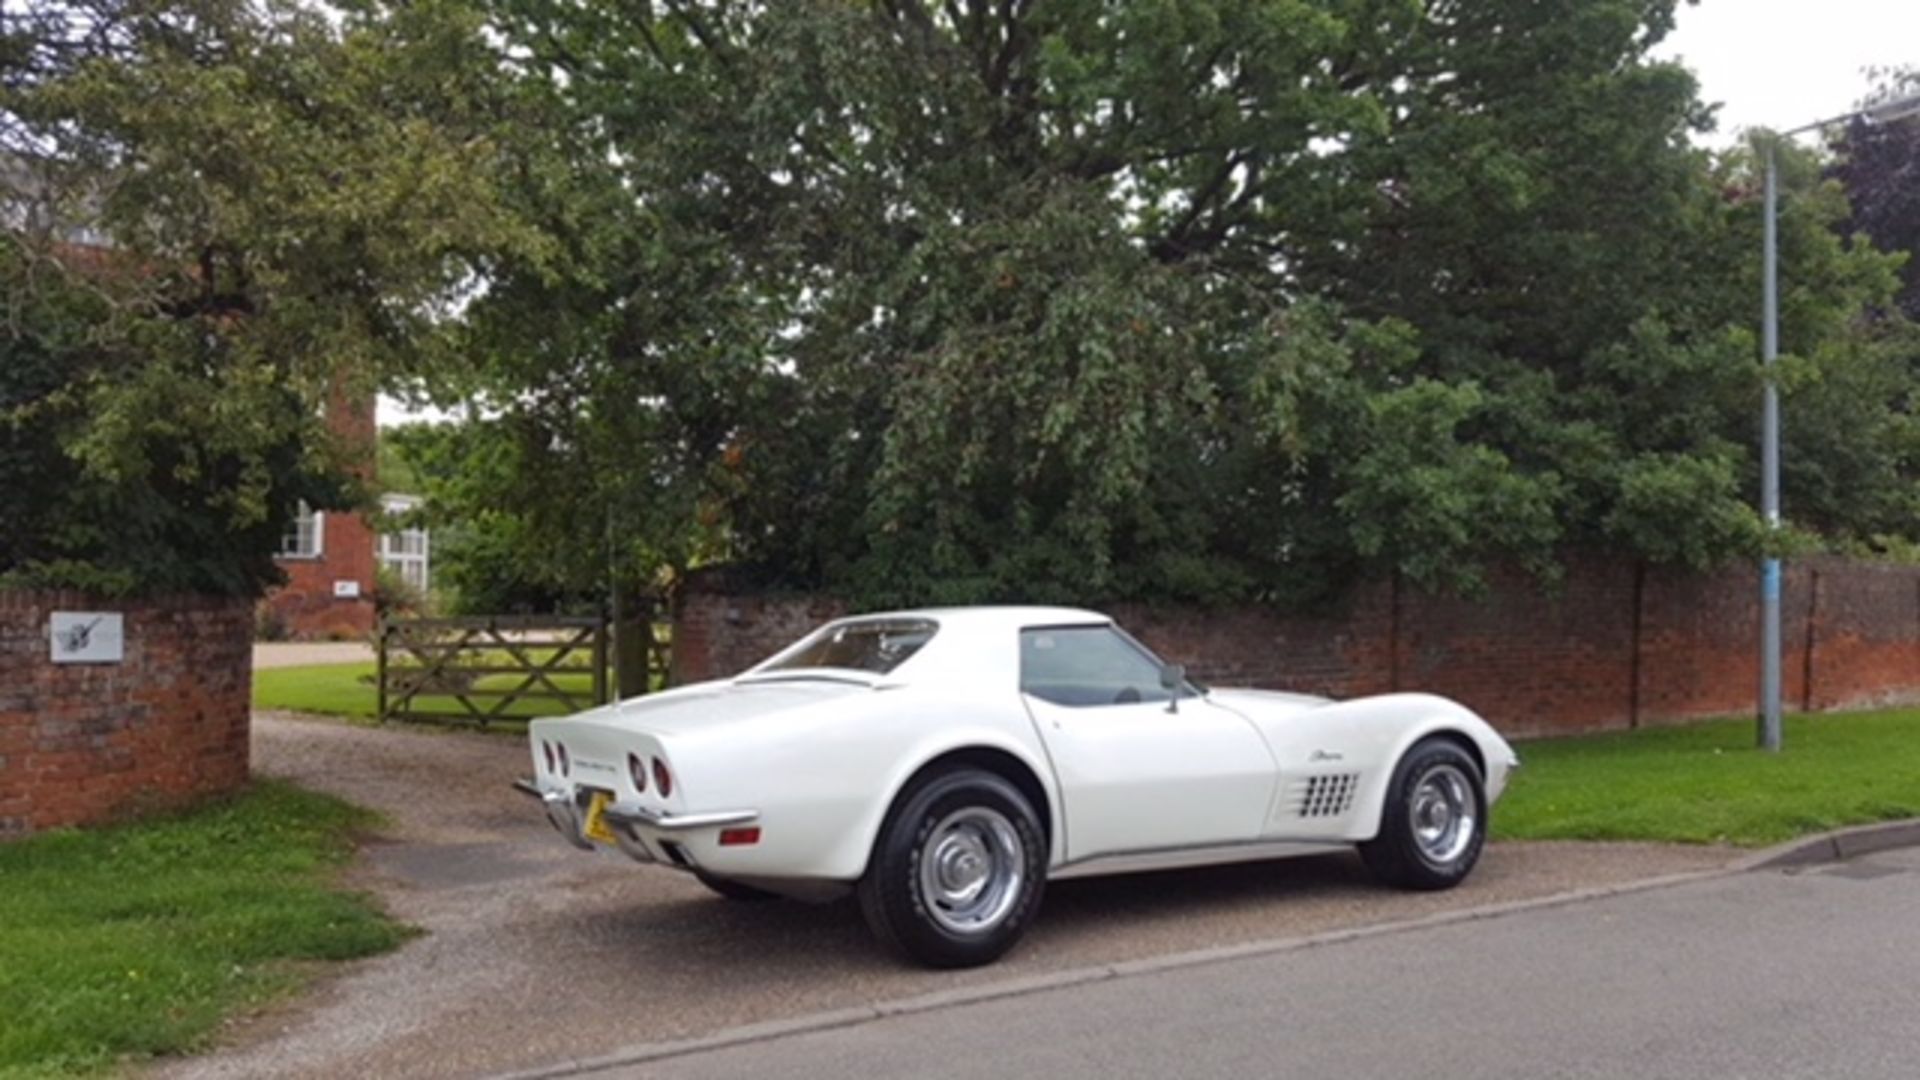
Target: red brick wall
(86,743)
(306,605)
(1346,653)
(1863,641)
(1612,646)
(718,633)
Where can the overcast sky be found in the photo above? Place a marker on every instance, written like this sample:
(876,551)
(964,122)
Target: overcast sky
(1784,63)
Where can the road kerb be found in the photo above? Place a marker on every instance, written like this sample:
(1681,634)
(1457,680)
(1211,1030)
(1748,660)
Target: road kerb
(1834,846)
(734,1036)
(968,995)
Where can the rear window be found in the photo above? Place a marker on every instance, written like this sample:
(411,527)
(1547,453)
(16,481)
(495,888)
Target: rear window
(875,645)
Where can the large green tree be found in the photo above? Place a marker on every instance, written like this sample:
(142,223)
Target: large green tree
(221,214)
(1205,299)
(969,299)
(1879,166)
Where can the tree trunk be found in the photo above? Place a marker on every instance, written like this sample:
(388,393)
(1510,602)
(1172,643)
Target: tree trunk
(632,641)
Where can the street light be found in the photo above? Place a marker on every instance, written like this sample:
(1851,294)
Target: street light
(1885,112)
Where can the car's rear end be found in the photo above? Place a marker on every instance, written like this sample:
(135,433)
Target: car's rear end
(778,778)
(607,783)
(690,778)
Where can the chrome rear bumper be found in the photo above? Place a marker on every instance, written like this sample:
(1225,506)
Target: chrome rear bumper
(674,822)
(567,813)
(567,817)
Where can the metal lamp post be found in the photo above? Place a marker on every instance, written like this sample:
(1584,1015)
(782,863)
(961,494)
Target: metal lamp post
(1883,113)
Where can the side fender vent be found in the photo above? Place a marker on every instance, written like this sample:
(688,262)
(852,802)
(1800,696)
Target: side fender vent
(1328,796)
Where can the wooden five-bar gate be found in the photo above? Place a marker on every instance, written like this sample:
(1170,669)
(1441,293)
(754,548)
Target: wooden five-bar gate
(478,669)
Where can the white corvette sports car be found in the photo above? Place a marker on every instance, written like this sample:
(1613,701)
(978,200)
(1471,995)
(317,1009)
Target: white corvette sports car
(945,764)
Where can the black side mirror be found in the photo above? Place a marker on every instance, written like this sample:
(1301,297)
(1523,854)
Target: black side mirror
(1172,676)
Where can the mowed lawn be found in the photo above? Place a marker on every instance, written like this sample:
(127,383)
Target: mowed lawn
(124,943)
(1705,783)
(349,690)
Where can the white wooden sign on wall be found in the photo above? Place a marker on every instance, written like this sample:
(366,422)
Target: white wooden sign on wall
(87,637)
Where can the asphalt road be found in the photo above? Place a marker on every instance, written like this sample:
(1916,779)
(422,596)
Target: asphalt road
(536,953)
(1808,973)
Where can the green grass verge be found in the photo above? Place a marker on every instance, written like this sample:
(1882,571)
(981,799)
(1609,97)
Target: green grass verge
(1705,783)
(121,943)
(348,690)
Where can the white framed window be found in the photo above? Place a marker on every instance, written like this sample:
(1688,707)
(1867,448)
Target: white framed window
(406,550)
(306,537)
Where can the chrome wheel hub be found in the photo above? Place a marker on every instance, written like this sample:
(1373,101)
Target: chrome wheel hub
(972,866)
(1444,815)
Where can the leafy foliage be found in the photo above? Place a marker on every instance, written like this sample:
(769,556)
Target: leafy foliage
(1199,300)
(224,214)
(1186,299)
(1879,166)
(492,554)
(138,454)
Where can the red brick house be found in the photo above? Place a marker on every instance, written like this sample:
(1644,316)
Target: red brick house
(330,556)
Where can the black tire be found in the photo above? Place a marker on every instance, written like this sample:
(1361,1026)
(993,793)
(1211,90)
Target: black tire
(980,818)
(1433,782)
(733,890)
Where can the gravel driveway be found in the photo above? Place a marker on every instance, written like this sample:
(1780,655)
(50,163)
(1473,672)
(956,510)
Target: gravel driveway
(279,654)
(535,952)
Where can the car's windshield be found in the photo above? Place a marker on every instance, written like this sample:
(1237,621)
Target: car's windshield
(875,645)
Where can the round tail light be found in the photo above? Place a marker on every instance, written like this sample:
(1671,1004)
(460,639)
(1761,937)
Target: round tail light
(638,770)
(548,748)
(662,779)
(566,767)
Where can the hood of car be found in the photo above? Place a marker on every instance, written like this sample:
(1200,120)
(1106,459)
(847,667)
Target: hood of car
(1265,703)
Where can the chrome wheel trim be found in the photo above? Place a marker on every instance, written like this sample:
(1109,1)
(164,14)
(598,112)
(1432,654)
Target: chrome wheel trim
(972,867)
(1443,815)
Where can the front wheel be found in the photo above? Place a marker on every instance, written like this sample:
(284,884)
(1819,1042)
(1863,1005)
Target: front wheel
(957,871)
(1434,822)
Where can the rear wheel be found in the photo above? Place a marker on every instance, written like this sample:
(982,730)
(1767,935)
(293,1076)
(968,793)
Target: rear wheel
(1434,823)
(733,890)
(957,871)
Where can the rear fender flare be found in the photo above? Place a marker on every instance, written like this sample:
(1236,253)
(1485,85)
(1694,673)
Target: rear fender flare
(852,855)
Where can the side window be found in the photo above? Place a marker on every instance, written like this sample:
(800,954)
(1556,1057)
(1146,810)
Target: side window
(1082,666)
(306,534)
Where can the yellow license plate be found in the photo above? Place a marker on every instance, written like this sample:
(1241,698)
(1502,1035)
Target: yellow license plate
(595,827)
